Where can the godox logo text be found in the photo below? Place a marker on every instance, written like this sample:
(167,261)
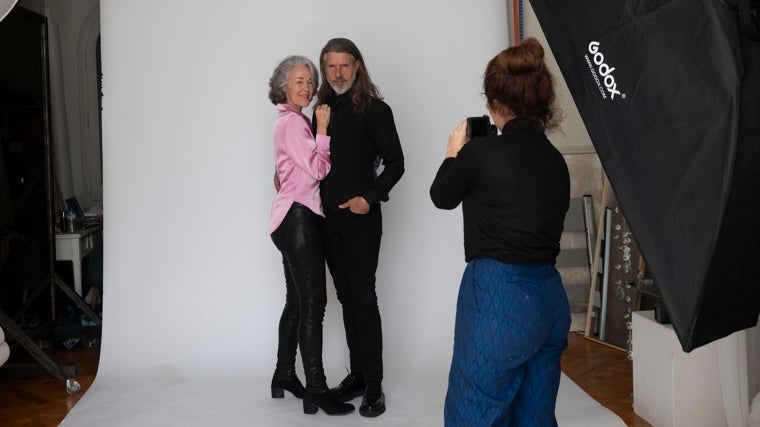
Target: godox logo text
(604,72)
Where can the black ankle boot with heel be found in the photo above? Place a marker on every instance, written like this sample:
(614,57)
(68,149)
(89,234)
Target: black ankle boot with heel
(326,401)
(286,380)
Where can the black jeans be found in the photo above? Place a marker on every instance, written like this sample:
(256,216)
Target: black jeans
(299,240)
(352,248)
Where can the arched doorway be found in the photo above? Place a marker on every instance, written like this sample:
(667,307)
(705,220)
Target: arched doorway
(90,95)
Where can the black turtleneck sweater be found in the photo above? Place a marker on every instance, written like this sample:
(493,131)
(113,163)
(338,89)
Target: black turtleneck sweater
(515,191)
(357,140)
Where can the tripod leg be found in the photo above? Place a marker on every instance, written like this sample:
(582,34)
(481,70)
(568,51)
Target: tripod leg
(79,301)
(52,368)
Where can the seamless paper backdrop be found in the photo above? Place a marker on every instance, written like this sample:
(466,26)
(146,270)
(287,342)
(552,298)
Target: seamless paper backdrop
(193,284)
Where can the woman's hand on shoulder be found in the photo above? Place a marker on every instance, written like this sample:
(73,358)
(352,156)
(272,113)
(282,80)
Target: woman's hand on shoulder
(323,118)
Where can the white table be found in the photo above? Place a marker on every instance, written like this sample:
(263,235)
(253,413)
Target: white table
(75,246)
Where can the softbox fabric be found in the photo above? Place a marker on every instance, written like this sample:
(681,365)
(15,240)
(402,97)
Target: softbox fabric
(668,90)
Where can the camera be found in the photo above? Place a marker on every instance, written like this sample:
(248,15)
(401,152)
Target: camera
(479,126)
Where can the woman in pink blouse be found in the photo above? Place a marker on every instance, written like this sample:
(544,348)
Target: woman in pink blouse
(302,160)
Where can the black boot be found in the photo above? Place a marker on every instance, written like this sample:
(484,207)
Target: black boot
(317,395)
(286,380)
(285,373)
(373,404)
(326,401)
(350,388)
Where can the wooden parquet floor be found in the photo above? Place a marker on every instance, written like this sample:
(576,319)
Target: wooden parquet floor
(44,401)
(603,372)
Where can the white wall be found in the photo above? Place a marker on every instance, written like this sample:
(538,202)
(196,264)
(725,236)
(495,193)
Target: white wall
(191,275)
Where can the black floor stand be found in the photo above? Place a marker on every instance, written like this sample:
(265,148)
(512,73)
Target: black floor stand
(68,371)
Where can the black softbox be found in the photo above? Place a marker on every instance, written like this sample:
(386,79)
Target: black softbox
(669,91)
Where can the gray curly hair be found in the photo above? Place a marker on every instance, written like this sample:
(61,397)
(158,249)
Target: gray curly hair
(281,73)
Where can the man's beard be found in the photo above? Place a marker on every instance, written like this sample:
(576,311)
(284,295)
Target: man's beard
(345,88)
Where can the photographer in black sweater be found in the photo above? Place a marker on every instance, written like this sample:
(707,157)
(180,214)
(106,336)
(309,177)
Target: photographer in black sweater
(512,314)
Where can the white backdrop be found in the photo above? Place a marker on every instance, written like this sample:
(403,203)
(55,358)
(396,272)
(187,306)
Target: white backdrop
(191,274)
(193,285)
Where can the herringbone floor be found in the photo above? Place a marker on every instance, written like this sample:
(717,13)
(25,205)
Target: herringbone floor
(603,372)
(44,402)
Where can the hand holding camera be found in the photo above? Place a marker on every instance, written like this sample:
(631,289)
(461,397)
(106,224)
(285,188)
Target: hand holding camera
(457,139)
(472,127)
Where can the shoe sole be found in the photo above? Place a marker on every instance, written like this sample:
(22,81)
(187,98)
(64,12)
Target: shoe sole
(371,415)
(366,412)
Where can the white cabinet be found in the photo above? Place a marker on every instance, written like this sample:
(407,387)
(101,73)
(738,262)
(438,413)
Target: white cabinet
(672,388)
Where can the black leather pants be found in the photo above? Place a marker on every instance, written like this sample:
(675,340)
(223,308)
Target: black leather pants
(299,240)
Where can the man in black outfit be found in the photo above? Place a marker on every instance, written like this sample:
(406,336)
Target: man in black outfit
(362,134)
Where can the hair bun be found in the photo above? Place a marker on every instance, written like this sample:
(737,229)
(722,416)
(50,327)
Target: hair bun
(532,46)
(525,58)
(517,81)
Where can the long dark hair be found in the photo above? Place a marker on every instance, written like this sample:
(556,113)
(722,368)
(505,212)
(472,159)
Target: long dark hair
(518,79)
(363,90)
